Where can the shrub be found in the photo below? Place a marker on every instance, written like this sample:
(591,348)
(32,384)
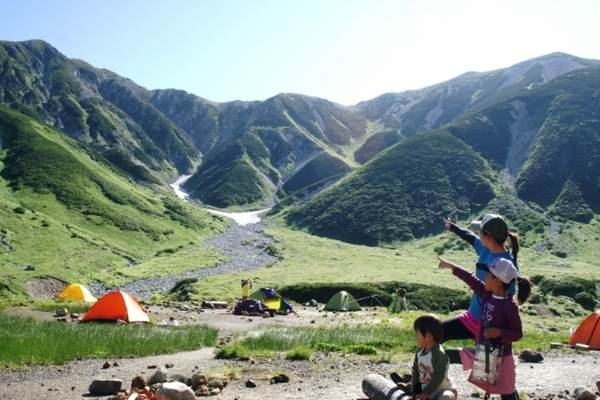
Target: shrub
(299,353)
(328,347)
(362,349)
(585,300)
(583,291)
(230,352)
(273,251)
(570,286)
(419,296)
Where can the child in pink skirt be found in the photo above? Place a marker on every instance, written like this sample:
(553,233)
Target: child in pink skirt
(500,325)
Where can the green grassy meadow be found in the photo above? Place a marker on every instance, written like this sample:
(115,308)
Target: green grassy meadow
(27,341)
(311,259)
(375,334)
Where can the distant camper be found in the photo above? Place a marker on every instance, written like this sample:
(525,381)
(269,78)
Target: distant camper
(246,286)
(398,301)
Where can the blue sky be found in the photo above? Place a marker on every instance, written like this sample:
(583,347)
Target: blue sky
(345,51)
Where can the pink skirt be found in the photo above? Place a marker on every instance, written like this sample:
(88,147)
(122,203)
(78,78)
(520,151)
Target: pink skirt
(508,373)
(470,322)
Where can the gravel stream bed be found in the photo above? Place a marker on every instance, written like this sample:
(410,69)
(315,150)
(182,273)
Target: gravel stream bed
(242,257)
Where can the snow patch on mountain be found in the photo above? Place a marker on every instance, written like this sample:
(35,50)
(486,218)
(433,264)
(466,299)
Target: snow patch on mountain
(433,114)
(522,132)
(553,66)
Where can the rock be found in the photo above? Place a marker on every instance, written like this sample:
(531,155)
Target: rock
(139,382)
(159,376)
(63,312)
(202,391)
(106,365)
(281,378)
(168,365)
(530,356)
(105,386)
(178,378)
(216,383)
(266,315)
(198,380)
(174,391)
(585,394)
(250,383)
(598,385)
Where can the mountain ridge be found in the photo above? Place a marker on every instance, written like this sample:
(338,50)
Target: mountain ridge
(290,147)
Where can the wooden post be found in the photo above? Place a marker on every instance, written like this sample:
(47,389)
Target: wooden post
(377,387)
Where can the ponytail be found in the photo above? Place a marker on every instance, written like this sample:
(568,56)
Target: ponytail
(514,244)
(524,286)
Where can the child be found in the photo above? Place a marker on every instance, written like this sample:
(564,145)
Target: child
(500,324)
(430,366)
(490,243)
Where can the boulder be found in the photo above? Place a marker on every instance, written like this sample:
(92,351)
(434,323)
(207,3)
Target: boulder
(159,376)
(530,356)
(139,382)
(105,386)
(198,380)
(174,391)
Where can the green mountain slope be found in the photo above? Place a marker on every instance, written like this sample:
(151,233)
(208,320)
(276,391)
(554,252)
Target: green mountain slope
(567,146)
(393,198)
(71,214)
(293,145)
(95,107)
(546,141)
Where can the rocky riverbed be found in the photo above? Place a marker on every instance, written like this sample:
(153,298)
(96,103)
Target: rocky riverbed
(243,245)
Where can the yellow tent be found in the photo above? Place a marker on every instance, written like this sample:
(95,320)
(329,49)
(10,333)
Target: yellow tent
(77,292)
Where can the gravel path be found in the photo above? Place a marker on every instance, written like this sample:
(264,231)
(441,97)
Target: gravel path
(242,257)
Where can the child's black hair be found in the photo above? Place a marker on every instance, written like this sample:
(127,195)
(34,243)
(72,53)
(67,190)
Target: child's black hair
(429,323)
(524,287)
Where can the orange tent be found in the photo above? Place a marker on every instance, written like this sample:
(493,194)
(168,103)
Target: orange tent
(116,306)
(76,291)
(588,332)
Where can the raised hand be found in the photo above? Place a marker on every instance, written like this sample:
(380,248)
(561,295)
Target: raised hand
(447,222)
(445,264)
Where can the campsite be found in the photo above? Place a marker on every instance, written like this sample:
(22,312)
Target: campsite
(325,376)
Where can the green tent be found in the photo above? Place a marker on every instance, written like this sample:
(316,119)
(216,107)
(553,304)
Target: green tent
(342,301)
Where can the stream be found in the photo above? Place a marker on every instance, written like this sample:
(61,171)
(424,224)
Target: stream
(246,228)
(242,218)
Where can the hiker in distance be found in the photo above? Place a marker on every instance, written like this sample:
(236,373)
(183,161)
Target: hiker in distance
(489,244)
(398,301)
(246,286)
(492,362)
